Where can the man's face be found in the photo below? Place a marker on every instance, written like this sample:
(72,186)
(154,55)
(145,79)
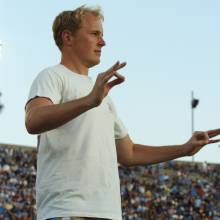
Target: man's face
(88,41)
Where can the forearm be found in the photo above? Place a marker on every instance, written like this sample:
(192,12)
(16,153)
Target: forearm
(142,154)
(130,154)
(45,118)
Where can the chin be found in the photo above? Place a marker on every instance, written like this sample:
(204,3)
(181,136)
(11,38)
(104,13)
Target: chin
(94,63)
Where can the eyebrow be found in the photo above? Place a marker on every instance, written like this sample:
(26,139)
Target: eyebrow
(97,31)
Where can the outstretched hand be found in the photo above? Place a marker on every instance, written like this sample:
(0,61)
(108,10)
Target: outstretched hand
(103,83)
(199,139)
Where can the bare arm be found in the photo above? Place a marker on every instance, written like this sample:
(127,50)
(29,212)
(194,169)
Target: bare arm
(42,115)
(130,154)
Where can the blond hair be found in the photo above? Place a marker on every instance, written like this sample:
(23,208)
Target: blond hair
(72,21)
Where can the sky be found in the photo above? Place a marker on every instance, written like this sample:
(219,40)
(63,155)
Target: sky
(171,48)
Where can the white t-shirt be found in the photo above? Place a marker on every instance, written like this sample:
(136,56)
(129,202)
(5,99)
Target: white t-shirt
(77,170)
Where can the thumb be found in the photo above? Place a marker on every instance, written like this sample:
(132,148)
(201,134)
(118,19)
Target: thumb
(116,82)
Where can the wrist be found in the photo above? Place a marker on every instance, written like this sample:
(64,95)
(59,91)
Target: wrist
(184,150)
(92,103)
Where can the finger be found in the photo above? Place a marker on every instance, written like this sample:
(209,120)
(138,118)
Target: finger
(112,67)
(121,65)
(113,73)
(108,76)
(105,76)
(214,141)
(116,82)
(213,133)
(115,67)
(119,75)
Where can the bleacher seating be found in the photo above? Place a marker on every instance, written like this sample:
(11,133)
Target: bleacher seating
(173,190)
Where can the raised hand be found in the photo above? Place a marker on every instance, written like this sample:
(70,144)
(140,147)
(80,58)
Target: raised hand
(103,83)
(199,139)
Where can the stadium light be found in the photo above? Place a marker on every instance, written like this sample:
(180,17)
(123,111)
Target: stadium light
(194,103)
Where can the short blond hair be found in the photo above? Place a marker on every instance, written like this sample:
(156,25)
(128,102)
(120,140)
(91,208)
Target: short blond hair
(72,20)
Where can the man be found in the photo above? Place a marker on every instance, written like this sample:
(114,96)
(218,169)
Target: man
(81,138)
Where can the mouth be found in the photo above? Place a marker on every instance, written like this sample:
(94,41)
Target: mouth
(98,52)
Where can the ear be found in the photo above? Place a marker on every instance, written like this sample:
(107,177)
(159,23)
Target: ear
(67,37)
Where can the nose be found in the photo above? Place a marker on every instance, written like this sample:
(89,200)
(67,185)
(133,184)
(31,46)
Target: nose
(102,42)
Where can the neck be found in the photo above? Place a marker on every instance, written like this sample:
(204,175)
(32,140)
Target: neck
(74,65)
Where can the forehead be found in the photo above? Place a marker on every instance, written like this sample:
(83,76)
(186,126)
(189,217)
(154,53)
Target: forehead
(91,21)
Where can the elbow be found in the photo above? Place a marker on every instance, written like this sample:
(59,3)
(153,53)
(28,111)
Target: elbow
(125,158)
(30,129)
(31,124)
(125,162)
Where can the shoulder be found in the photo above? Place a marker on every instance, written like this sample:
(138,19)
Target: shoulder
(52,71)
(49,75)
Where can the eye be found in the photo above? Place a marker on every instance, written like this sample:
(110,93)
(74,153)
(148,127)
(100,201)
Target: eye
(95,33)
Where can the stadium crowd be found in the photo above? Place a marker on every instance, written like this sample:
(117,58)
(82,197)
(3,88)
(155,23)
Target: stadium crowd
(168,191)
(17,183)
(178,191)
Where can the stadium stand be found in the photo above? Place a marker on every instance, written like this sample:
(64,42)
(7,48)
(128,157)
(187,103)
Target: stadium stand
(17,182)
(174,190)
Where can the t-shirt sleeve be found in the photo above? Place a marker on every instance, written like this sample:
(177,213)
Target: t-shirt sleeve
(47,84)
(119,128)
